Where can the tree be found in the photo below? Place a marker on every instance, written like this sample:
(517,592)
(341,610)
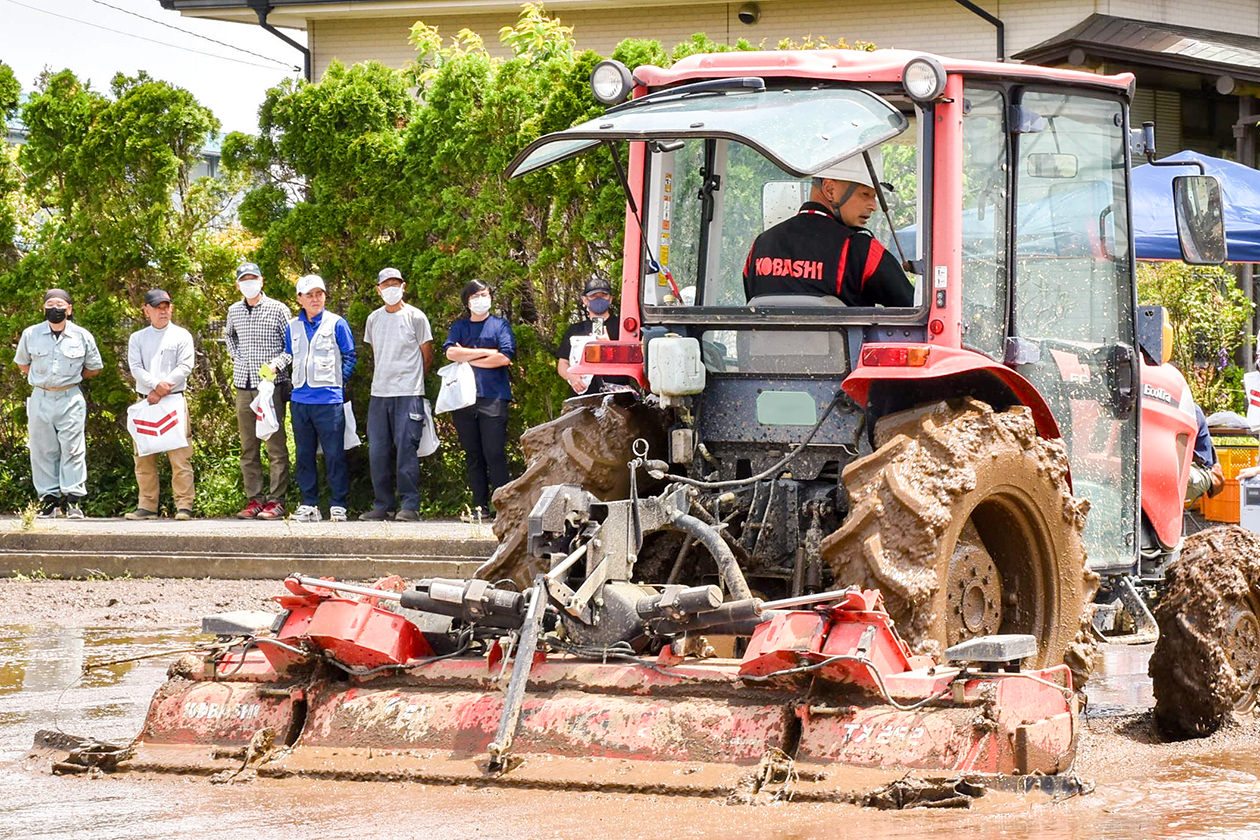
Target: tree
(119,214)
(1211,318)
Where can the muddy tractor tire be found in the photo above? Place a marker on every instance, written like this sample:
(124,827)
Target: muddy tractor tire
(1206,663)
(588,445)
(963,518)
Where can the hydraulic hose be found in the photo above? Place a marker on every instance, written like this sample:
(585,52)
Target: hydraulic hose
(657,469)
(728,568)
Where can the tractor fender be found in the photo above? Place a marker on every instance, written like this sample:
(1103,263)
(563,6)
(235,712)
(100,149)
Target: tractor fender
(1169,426)
(939,366)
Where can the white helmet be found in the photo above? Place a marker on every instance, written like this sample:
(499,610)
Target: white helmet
(853,168)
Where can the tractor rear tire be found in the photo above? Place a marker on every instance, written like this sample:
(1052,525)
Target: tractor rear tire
(963,518)
(1206,662)
(588,445)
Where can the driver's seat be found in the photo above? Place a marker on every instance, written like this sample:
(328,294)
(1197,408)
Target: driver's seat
(789,350)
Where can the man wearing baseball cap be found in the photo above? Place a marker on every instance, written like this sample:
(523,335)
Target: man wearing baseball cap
(161,359)
(600,324)
(319,351)
(56,355)
(825,250)
(254,334)
(402,349)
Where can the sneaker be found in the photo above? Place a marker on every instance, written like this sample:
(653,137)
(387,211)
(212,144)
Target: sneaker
(336,514)
(408,516)
(306,513)
(251,510)
(73,511)
(375,515)
(183,514)
(271,510)
(140,513)
(49,508)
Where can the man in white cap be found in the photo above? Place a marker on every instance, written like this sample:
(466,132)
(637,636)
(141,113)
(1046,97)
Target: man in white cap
(319,350)
(56,355)
(825,249)
(254,334)
(160,358)
(402,349)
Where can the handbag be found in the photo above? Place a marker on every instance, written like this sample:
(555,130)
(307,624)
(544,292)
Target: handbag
(264,407)
(459,387)
(429,442)
(160,426)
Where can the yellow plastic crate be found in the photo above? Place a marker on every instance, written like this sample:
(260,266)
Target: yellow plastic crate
(1235,452)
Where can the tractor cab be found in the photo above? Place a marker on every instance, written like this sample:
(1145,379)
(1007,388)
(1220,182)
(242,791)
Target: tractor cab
(1004,197)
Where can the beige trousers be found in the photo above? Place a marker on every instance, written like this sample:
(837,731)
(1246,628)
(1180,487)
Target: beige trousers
(182,483)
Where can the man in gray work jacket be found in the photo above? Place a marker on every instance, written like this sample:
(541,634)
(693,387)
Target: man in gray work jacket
(56,355)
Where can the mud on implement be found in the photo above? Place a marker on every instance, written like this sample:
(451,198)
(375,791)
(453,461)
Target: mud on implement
(826,703)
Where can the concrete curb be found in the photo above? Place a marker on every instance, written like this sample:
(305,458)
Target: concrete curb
(232,549)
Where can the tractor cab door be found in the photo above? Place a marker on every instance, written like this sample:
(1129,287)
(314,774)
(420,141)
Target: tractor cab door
(1071,320)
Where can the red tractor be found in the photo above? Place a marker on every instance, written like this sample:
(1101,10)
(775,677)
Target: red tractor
(823,533)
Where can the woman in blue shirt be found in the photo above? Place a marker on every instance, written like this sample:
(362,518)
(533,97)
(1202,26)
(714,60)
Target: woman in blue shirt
(486,342)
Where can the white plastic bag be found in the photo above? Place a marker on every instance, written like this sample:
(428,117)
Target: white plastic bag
(264,408)
(160,426)
(459,387)
(1251,386)
(429,442)
(351,437)
(576,345)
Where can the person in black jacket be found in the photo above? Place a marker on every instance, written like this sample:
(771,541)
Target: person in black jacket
(600,323)
(825,250)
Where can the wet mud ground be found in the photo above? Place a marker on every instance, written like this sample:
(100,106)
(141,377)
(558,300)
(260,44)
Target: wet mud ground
(1143,789)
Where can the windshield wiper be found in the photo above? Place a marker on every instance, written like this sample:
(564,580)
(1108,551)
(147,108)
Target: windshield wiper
(744,84)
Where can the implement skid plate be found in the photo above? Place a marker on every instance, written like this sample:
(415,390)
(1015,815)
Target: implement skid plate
(688,729)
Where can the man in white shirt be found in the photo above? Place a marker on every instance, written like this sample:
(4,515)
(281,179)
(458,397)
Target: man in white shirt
(402,344)
(161,358)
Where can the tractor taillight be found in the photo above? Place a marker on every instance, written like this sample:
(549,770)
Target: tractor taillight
(895,356)
(612,353)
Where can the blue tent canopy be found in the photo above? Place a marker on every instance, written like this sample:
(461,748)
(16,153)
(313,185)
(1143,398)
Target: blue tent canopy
(1155,228)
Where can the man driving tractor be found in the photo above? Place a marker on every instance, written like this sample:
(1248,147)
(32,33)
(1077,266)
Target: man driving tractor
(825,249)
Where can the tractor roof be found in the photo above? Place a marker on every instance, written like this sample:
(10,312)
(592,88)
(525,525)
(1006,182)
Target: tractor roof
(859,66)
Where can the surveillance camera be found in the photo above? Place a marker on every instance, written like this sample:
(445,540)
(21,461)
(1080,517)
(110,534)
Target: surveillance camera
(749,13)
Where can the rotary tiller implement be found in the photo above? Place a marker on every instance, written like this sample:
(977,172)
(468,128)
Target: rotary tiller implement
(508,687)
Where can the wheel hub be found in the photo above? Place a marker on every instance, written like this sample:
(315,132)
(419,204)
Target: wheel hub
(973,594)
(1243,639)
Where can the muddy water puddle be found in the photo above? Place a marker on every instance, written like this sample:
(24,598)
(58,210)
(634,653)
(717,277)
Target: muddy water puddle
(1144,790)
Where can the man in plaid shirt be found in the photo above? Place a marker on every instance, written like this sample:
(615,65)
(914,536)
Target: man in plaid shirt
(254,336)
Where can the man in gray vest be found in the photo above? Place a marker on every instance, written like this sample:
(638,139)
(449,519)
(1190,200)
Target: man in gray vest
(56,355)
(319,350)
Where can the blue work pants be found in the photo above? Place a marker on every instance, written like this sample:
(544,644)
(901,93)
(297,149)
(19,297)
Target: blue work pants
(320,426)
(394,428)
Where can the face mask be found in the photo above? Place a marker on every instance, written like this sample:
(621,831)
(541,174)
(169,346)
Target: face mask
(479,305)
(391,295)
(599,306)
(54,315)
(251,289)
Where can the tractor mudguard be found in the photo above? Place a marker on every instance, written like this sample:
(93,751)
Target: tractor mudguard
(1168,430)
(895,361)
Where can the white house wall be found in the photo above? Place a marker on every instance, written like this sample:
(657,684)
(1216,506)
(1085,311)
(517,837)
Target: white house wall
(940,26)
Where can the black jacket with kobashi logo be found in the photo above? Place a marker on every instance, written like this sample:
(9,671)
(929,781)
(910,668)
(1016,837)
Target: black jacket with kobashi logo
(814,253)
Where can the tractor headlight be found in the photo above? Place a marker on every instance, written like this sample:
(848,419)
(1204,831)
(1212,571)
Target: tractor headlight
(924,79)
(611,82)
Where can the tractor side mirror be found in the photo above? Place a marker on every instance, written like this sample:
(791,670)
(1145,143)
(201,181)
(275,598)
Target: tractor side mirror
(1200,219)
